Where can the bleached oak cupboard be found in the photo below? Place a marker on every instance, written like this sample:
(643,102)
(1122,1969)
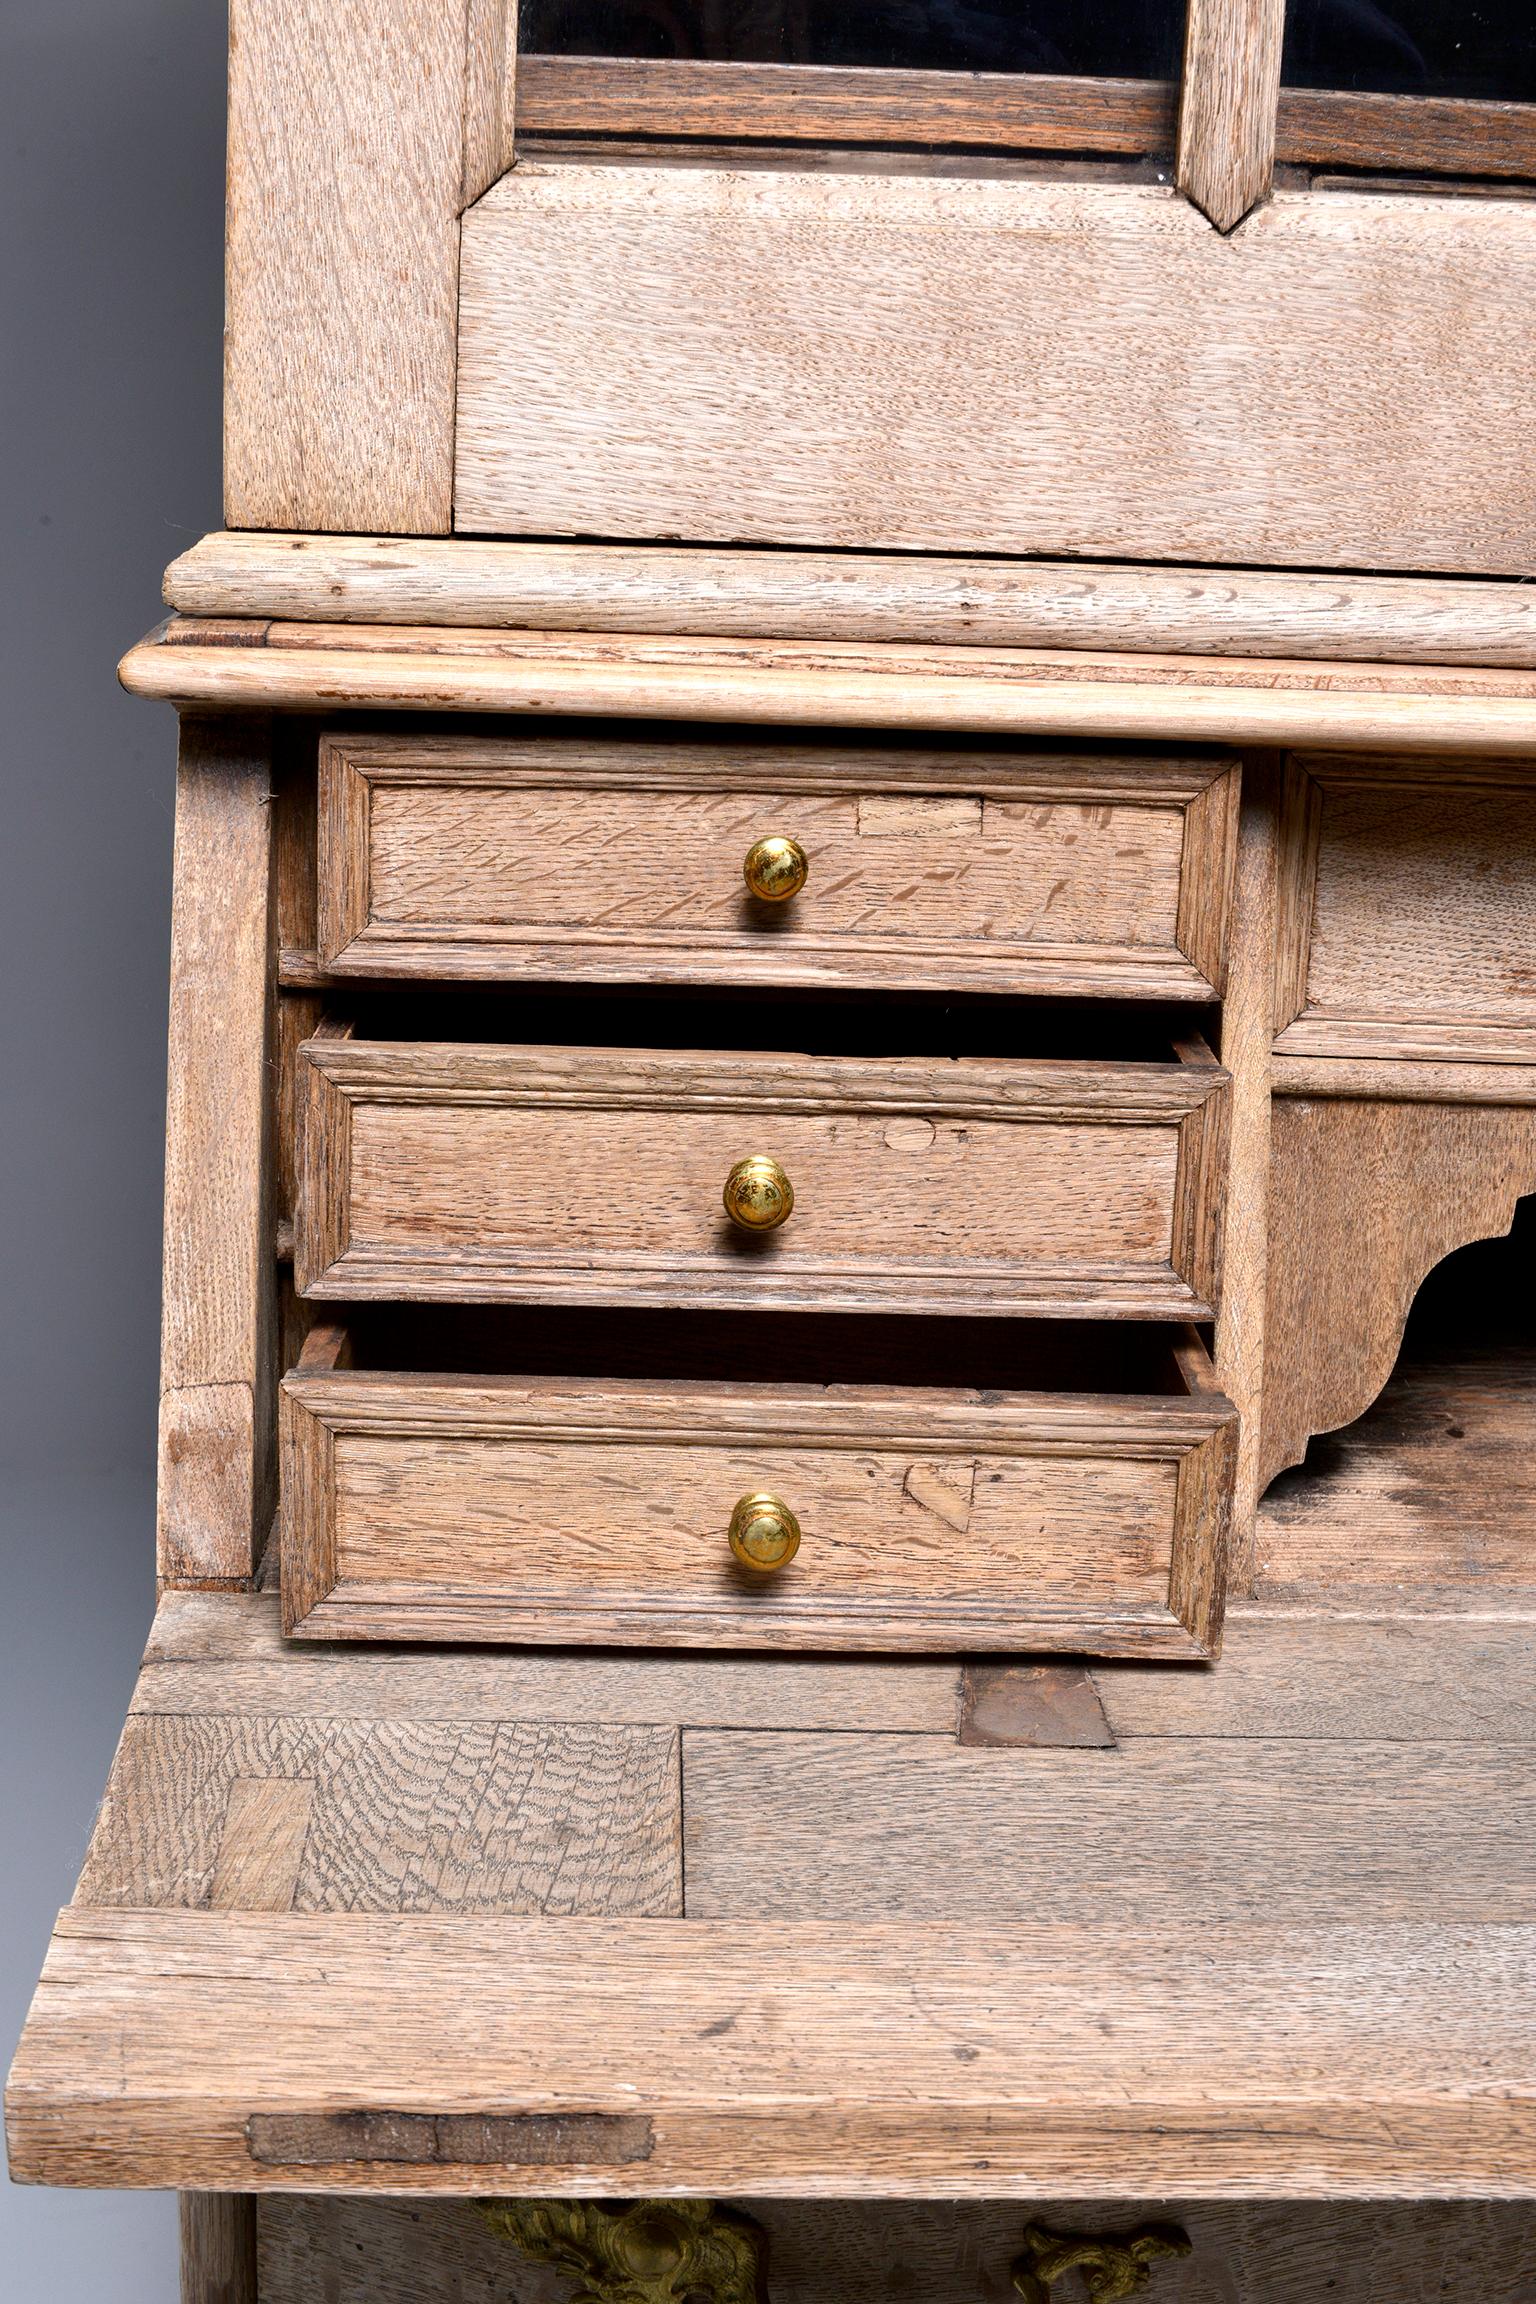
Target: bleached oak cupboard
(853,913)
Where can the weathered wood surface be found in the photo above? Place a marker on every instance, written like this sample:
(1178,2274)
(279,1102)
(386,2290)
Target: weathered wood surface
(354,2251)
(977,365)
(1229,103)
(1367,1195)
(1427,1506)
(217,1333)
(659,589)
(1281,1676)
(1164,1832)
(347,170)
(1018,692)
(927,2061)
(1415,891)
(561,858)
(488,1173)
(253,1812)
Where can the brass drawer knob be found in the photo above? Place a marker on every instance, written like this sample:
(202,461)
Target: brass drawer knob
(775,869)
(765,1535)
(758,1195)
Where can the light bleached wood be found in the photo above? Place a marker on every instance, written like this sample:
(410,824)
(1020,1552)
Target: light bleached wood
(1246,1031)
(1228,105)
(217,1319)
(225,1651)
(1426,1507)
(1367,1195)
(1168,699)
(1460,1082)
(800,595)
(347,165)
(490,94)
(921,2061)
(1185,1832)
(544,1509)
(218,2249)
(562,857)
(1416,887)
(979,365)
(931,2252)
(505,1174)
(397,1816)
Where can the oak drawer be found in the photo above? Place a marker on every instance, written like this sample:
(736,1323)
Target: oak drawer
(476,1173)
(576,858)
(561,1507)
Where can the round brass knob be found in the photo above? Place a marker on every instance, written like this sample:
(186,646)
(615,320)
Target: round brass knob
(758,1195)
(765,1535)
(775,869)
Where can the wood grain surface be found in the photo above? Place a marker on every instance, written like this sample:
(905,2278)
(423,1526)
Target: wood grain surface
(567,858)
(1163,1832)
(1098,698)
(203,1812)
(1229,100)
(923,2060)
(217,1333)
(463,580)
(503,1174)
(346,172)
(218,2249)
(1425,1507)
(1416,890)
(975,365)
(934,2252)
(539,1509)
(1367,1194)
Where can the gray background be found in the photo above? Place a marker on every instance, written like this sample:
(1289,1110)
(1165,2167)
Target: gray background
(111,195)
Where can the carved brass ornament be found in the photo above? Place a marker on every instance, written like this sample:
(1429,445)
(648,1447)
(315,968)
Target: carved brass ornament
(775,869)
(1111,2268)
(640,2251)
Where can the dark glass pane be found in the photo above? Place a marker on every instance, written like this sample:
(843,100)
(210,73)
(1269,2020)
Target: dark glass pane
(1122,39)
(1414,47)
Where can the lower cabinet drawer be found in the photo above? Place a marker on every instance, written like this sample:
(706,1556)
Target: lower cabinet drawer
(942,2252)
(552,1507)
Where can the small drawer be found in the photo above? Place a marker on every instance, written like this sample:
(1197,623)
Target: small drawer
(567,1506)
(588,859)
(486,1173)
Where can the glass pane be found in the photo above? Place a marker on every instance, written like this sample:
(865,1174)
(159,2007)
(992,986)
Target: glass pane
(1414,47)
(1123,39)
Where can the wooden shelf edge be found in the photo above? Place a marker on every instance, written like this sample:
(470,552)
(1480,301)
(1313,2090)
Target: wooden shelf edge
(297,667)
(220,2051)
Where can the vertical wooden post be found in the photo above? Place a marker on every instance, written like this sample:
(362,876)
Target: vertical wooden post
(1247,1038)
(218,2248)
(216,1333)
(1229,105)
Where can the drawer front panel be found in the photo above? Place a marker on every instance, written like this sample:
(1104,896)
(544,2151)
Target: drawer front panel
(435,1508)
(478,1174)
(945,870)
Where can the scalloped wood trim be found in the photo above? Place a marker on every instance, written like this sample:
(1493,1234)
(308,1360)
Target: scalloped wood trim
(1367,1195)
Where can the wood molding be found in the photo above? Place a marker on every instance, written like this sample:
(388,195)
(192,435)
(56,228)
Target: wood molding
(1179,700)
(871,596)
(1228,105)
(218,1333)
(1367,1195)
